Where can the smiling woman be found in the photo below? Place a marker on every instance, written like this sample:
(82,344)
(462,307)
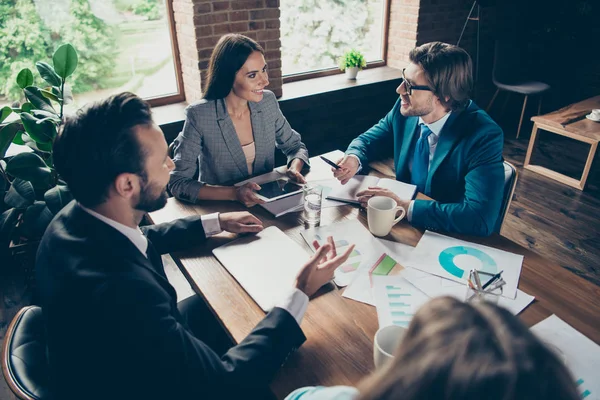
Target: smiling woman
(232,133)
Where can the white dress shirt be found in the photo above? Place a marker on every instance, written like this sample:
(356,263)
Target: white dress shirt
(295,302)
(436,128)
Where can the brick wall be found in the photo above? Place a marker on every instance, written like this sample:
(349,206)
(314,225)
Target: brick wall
(200,23)
(402,37)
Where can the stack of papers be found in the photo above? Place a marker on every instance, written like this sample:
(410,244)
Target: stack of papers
(434,268)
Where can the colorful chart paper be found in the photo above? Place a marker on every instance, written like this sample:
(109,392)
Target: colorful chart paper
(396,300)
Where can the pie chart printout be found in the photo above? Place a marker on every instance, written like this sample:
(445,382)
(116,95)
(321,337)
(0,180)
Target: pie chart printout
(459,260)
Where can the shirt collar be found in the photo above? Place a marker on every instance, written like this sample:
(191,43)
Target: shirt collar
(134,235)
(437,126)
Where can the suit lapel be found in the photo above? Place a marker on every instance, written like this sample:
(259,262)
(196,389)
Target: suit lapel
(260,139)
(449,136)
(115,242)
(410,126)
(230,137)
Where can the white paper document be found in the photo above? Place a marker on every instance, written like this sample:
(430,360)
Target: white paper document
(361,287)
(265,264)
(581,355)
(345,234)
(396,300)
(452,259)
(358,183)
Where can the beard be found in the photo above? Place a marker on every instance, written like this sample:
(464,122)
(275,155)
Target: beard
(417,110)
(149,200)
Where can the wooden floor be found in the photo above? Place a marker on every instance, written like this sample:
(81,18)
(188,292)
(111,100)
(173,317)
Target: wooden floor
(552,219)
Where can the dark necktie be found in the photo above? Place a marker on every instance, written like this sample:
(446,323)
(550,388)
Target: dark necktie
(420,165)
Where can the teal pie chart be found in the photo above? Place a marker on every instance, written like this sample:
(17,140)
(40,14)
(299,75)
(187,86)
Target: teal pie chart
(447,257)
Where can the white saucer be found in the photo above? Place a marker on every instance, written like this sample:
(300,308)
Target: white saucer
(589,116)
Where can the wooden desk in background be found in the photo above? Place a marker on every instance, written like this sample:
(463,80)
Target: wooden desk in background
(571,122)
(339,331)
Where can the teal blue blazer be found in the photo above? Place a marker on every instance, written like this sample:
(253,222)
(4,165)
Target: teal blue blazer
(466,175)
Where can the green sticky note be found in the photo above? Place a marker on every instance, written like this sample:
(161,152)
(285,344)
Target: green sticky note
(385,266)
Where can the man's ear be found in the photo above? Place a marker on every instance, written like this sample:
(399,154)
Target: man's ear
(127,185)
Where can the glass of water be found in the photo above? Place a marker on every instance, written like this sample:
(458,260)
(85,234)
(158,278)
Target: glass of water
(313,197)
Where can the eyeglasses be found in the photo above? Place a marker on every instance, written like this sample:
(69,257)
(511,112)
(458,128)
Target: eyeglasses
(410,88)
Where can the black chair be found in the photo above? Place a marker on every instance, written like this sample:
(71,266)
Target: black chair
(24,358)
(507,75)
(510,182)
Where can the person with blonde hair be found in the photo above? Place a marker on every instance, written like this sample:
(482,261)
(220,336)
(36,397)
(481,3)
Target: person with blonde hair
(462,351)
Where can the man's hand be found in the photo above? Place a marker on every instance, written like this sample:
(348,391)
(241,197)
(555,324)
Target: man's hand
(246,194)
(365,195)
(293,171)
(240,222)
(348,168)
(319,269)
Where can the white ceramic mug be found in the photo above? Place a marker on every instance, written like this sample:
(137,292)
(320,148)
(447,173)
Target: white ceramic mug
(385,343)
(595,113)
(381,214)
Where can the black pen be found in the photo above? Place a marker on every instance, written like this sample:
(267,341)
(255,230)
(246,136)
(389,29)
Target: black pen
(334,165)
(494,278)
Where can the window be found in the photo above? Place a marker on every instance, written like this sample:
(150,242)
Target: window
(315,33)
(123,45)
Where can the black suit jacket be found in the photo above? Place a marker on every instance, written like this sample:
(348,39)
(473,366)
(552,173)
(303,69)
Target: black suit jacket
(113,327)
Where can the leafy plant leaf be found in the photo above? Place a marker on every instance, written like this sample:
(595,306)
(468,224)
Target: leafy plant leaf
(25,78)
(7,134)
(8,223)
(4,113)
(57,197)
(18,139)
(44,132)
(49,95)
(45,114)
(30,167)
(38,100)
(48,74)
(36,219)
(20,195)
(27,107)
(43,147)
(65,60)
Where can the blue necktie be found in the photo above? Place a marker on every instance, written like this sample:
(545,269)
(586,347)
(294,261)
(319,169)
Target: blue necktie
(420,165)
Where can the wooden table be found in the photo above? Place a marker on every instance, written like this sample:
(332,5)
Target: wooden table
(571,122)
(339,331)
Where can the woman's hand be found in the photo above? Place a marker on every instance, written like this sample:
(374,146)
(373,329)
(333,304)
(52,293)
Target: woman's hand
(293,171)
(246,194)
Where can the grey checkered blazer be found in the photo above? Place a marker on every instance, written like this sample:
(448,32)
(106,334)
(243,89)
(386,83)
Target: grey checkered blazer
(209,138)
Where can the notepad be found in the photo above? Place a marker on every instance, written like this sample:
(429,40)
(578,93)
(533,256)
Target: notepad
(265,264)
(359,183)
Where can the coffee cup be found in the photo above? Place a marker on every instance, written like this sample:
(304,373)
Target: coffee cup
(386,341)
(381,214)
(595,114)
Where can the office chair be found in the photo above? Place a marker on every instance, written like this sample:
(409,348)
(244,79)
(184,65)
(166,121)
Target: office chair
(510,183)
(24,359)
(505,75)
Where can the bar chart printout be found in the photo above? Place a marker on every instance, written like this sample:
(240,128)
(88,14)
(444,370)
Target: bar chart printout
(579,353)
(396,300)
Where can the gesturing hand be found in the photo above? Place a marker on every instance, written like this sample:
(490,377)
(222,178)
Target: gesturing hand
(348,168)
(246,194)
(239,222)
(319,269)
(294,173)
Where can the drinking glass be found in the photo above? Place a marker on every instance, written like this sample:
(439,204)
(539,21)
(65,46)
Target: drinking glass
(313,198)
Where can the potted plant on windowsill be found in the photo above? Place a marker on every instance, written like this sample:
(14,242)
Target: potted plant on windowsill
(352,62)
(30,191)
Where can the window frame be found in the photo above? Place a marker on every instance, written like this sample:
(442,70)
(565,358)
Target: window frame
(335,70)
(180,95)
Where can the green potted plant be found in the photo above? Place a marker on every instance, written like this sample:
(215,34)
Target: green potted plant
(30,191)
(352,61)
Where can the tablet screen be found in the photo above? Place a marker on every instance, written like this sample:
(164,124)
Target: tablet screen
(278,188)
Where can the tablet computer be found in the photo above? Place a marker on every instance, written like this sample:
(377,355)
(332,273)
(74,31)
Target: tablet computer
(278,189)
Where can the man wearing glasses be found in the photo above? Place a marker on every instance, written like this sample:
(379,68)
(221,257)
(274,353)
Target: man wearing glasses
(441,142)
